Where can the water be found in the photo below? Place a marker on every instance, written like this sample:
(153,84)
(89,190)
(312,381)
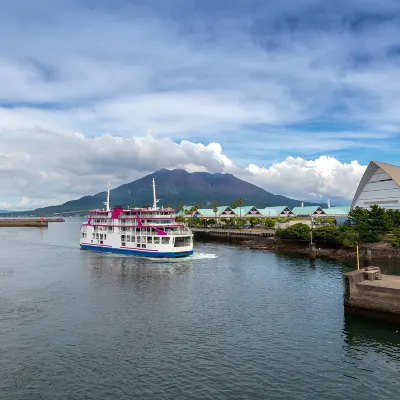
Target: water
(228,323)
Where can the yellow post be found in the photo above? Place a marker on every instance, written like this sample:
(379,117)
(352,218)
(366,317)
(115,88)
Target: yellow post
(358,258)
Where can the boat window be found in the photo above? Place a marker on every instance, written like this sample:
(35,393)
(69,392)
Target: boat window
(122,238)
(105,236)
(165,240)
(123,244)
(97,235)
(101,236)
(144,246)
(128,238)
(101,242)
(149,239)
(156,240)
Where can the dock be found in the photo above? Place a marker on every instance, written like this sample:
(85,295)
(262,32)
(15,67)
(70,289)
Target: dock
(232,233)
(19,222)
(29,221)
(369,292)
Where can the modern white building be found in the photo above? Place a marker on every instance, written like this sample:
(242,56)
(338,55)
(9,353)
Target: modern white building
(379,185)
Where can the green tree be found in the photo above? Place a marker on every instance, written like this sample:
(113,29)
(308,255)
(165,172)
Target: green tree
(328,233)
(181,209)
(168,206)
(215,208)
(295,232)
(253,221)
(269,223)
(238,222)
(238,203)
(394,218)
(370,224)
(348,237)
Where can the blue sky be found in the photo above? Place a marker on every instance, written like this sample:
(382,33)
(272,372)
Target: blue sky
(295,96)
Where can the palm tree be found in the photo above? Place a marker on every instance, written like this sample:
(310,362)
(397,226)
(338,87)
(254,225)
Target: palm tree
(239,203)
(168,206)
(181,208)
(215,209)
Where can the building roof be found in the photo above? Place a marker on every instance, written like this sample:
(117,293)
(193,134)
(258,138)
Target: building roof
(245,210)
(392,170)
(206,212)
(182,213)
(269,212)
(336,211)
(209,213)
(309,210)
(275,211)
(224,209)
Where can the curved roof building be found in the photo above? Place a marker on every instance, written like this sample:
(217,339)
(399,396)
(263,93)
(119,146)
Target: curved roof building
(379,185)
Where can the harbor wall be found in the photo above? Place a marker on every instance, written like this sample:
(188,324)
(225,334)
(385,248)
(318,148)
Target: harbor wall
(369,292)
(36,223)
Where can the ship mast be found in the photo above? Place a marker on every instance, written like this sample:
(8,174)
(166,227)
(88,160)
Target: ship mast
(107,203)
(155,201)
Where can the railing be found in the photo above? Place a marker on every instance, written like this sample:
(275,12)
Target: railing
(179,232)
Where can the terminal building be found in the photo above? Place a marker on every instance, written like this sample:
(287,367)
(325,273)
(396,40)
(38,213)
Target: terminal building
(379,185)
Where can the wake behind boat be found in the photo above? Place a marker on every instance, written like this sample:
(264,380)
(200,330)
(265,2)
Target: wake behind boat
(150,231)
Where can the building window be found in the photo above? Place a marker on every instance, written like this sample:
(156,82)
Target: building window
(371,203)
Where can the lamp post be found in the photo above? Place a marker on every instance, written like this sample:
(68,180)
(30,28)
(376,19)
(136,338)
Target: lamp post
(312,248)
(311,232)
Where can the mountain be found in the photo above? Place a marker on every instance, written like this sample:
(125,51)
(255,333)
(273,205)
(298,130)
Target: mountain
(179,187)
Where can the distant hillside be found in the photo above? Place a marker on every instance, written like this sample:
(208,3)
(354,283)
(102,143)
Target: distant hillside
(180,187)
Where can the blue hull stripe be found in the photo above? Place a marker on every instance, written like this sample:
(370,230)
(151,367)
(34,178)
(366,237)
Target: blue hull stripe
(137,252)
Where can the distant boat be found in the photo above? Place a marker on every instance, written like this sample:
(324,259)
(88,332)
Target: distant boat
(148,231)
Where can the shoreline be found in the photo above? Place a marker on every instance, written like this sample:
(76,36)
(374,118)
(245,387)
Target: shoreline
(379,251)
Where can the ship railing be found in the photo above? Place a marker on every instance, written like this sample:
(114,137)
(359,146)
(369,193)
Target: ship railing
(179,232)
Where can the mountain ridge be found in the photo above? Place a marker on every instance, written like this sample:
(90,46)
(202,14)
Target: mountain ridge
(179,187)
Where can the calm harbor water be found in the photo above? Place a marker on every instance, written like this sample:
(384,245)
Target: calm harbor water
(227,323)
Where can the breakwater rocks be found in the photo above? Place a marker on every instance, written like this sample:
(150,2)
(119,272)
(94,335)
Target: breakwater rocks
(379,251)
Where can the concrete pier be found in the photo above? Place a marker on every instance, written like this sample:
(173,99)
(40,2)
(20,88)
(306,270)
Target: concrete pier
(34,222)
(369,292)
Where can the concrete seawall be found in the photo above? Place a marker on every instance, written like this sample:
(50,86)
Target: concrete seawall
(369,292)
(36,223)
(229,234)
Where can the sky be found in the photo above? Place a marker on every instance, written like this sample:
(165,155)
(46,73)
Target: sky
(294,96)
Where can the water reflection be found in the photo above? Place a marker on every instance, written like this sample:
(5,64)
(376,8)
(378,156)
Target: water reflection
(364,332)
(139,269)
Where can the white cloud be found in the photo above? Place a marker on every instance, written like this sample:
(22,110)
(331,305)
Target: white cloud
(57,167)
(317,180)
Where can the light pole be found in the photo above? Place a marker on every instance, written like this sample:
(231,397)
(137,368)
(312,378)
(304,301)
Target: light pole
(311,232)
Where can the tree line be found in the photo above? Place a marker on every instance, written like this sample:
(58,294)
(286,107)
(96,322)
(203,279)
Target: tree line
(363,226)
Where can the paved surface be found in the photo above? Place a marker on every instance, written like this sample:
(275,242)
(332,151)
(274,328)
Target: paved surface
(387,281)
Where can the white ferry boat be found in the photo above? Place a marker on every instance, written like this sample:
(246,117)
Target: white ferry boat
(150,231)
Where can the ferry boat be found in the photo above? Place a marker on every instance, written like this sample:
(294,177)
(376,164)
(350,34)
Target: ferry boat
(148,231)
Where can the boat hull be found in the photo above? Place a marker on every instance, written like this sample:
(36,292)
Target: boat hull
(143,253)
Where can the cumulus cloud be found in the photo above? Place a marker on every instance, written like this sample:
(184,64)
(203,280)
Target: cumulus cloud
(57,167)
(319,180)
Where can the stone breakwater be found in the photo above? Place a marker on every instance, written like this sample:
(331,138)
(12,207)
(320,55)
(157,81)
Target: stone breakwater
(379,251)
(35,223)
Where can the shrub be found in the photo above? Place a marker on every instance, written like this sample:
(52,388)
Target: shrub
(295,232)
(329,233)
